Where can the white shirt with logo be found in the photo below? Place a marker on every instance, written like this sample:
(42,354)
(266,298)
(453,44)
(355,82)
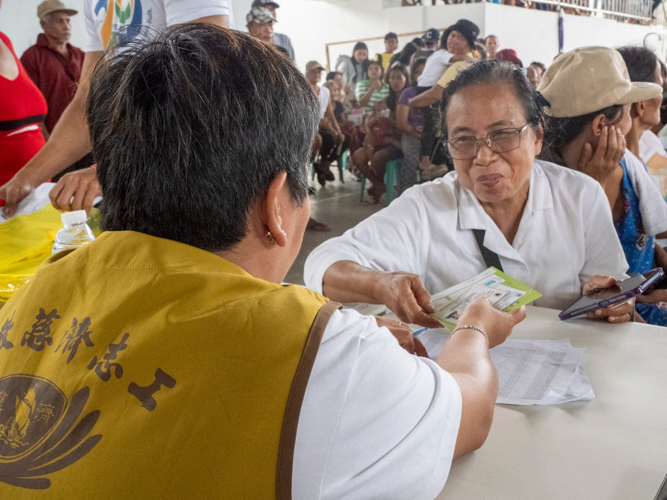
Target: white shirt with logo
(111,21)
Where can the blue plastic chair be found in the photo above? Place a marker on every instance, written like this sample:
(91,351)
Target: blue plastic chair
(390,180)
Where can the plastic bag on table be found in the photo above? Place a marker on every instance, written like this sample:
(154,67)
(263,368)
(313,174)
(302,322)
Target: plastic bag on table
(25,242)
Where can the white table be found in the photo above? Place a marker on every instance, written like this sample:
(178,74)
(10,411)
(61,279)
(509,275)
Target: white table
(611,448)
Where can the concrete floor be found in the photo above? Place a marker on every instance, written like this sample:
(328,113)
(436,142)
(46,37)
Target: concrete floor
(337,205)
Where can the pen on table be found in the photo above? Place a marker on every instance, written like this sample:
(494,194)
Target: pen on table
(419,332)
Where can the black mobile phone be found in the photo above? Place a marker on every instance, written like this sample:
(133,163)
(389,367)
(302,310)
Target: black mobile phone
(620,292)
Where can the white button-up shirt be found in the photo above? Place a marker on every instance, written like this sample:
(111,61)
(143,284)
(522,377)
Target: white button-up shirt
(566,235)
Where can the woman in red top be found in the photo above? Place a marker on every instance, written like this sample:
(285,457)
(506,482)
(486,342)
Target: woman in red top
(22,109)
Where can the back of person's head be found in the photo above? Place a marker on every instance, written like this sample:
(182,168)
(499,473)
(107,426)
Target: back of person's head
(418,42)
(407,53)
(481,50)
(510,56)
(496,74)
(189,130)
(642,64)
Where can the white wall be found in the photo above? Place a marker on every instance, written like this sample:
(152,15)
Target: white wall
(313,23)
(19,21)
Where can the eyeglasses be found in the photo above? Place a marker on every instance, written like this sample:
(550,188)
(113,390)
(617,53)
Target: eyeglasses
(499,141)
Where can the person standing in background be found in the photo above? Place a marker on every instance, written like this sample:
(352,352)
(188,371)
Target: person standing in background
(22,113)
(106,26)
(54,66)
(390,46)
(279,39)
(431,39)
(354,69)
(491,43)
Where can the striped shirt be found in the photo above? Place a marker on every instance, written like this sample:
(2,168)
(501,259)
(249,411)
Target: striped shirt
(361,89)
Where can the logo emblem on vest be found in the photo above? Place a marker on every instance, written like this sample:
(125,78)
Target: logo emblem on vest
(40,432)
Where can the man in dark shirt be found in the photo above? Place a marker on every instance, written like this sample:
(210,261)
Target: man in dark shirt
(55,65)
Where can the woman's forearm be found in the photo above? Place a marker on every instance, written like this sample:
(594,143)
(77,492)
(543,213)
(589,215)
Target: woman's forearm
(347,281)
(431,96)
(366,98)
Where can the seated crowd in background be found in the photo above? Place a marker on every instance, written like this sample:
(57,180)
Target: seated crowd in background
(638,210)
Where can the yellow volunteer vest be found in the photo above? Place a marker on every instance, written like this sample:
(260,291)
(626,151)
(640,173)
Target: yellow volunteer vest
(140,368)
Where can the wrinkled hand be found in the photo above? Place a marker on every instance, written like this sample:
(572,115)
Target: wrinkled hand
(404,336)
(76,190)
(618,313)
(608,154)
(652,297)
(12,193)
(406,296)
(498,325)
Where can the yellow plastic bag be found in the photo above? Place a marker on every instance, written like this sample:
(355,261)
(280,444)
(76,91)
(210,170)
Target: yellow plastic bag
(25,242)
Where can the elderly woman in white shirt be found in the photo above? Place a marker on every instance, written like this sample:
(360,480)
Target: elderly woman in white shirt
(550,227)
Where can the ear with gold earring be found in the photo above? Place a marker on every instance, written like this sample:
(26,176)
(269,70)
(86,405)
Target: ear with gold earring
(271,238)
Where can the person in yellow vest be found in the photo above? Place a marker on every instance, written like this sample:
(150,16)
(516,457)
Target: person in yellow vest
(166,360)
(390,46)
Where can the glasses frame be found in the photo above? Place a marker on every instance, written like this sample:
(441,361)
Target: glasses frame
(487,141)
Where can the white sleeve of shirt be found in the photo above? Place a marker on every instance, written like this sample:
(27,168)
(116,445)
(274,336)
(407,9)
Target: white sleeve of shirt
(394,239)
(376,422)
(94,43)
(603,248)
(652,205)
(184,11)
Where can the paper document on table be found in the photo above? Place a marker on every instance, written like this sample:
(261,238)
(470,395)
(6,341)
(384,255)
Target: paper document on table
(540,372)
(504,293)
(434,340)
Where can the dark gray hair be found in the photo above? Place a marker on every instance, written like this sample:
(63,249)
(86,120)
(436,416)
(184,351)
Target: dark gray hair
(190,128)
(641,63)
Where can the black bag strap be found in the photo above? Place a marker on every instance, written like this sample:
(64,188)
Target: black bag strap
(491,259)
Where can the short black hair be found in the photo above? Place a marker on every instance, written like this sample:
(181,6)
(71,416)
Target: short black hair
(641,63)
(332,74)
(559,132)
(390,35)
(498,73)
(406,54)
(418,42)
(191,127)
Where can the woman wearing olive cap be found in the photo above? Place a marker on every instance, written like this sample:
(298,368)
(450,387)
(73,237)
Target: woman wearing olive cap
(589,94)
